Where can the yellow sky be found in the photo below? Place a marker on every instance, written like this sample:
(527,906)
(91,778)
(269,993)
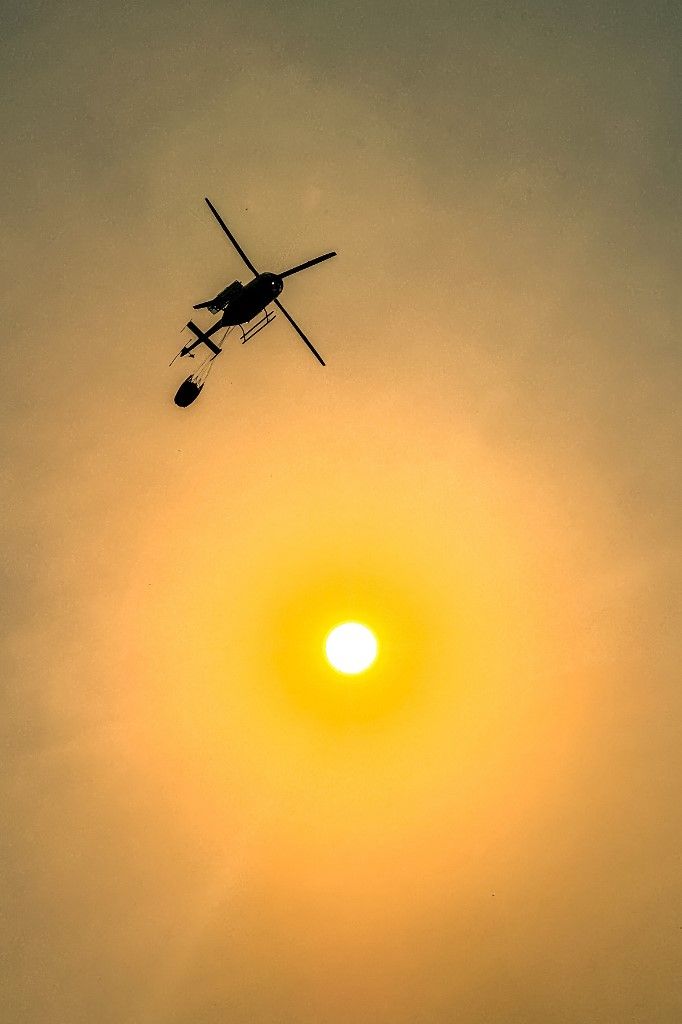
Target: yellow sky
(203,822)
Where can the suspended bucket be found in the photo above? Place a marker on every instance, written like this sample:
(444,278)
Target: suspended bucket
(190,389)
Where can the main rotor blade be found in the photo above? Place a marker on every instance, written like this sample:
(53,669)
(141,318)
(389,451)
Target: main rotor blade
(300,332)
(229,234)
(310,263)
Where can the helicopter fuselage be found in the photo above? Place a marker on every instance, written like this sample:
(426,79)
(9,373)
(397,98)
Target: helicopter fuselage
(252,299)
(237,305)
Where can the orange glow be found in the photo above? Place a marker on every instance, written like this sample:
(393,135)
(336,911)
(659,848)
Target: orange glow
(204,820)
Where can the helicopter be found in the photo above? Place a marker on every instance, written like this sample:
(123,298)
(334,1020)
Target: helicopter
(239,306)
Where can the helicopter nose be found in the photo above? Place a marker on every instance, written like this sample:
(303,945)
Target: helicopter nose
(277,285)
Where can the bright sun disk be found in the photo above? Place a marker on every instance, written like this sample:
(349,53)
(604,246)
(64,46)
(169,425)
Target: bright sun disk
(351,648)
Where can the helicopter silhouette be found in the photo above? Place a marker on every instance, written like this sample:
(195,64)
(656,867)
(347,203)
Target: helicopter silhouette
(239,305)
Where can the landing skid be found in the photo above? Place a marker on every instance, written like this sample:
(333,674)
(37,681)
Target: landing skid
(258,326)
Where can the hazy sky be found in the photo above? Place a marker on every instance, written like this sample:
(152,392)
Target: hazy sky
(200,824)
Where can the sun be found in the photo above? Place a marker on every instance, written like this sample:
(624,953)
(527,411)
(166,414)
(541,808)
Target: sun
(351,648)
